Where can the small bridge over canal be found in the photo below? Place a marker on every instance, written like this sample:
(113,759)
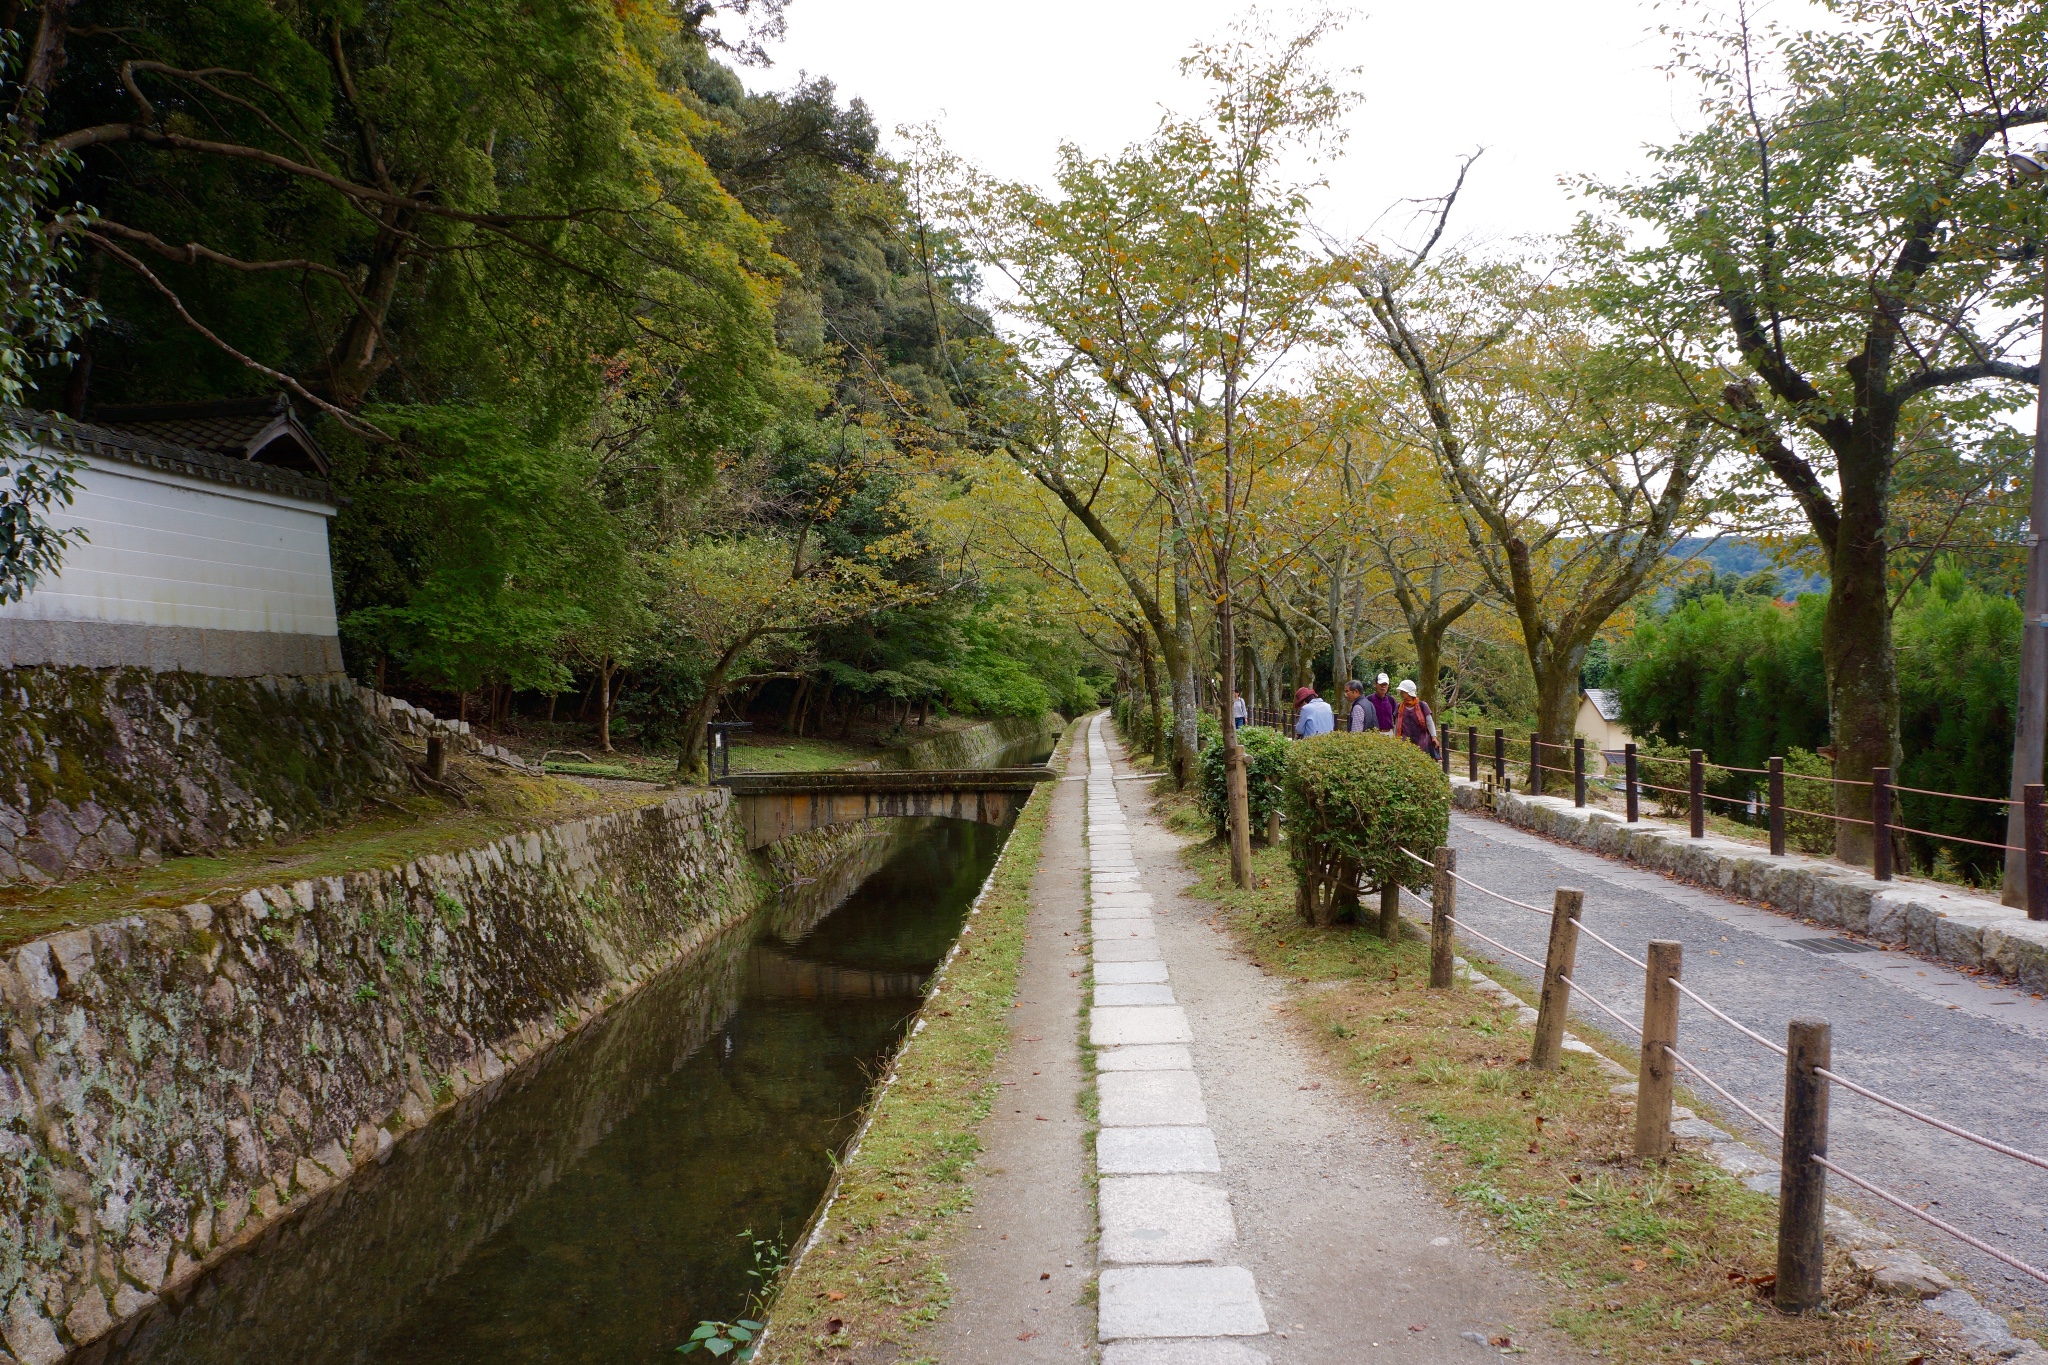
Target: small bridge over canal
(776,805)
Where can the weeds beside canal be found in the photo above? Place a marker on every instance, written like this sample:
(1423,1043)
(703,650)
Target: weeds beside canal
(875,1275)
(1658,1261)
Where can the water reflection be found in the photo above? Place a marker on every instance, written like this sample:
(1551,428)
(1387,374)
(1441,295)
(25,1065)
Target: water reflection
(590,1210)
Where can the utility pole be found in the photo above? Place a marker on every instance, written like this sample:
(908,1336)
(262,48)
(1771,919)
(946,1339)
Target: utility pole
(2030,727)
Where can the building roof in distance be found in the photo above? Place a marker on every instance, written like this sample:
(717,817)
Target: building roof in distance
(264,430)
(130,447)
(1606,701)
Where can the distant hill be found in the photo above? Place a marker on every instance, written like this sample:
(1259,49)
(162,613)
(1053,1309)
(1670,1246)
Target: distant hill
(1745,557)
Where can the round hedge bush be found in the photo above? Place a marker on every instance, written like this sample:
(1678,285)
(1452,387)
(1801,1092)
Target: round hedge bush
(1265,769)
(1353,803)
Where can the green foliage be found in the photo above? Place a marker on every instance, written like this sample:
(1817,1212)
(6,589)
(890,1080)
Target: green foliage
(494,546)
(1265,772)
(720,1338)
(1354,804)
(1742,679)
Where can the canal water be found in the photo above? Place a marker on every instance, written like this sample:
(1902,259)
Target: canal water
(609,1197)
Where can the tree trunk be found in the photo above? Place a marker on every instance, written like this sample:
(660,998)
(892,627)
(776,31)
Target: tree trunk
(1863,697)
(605,669)
(1340,647)
(1156,735)
(1429,653)
(1557,698)
(1187,744)
(1237,795)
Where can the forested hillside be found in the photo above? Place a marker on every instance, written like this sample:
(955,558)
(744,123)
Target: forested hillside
(626,373)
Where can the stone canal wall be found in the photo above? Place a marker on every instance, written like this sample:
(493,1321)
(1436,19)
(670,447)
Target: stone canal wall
(174,1082)
(989,744)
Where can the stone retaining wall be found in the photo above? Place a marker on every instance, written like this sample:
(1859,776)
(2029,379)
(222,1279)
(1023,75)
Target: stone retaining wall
(983,745)
(173,1082)
(1946,922)
(118,766)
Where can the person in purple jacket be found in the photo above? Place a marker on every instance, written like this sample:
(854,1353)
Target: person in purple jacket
(1383,706)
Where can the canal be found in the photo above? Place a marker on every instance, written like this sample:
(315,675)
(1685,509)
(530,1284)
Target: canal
(617,1191)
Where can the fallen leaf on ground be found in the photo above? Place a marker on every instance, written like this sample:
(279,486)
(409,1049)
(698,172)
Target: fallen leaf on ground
(835,1294)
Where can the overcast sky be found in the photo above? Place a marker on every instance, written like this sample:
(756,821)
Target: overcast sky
(1549,89)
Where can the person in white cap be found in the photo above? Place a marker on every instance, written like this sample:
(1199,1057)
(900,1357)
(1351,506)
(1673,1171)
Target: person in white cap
(1382,706)
(1413,722)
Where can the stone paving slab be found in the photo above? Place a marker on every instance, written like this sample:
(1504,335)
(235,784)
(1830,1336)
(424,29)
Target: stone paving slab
(1102,898)
(1135,927)
(1153,993)
(1124,1026)
(1120,908)
(1193,1351)
(1156,1151)
(1180,1301)
(1164,1220)
(1129,973)
(1145,1057)
(1150,1099)
(1126,950)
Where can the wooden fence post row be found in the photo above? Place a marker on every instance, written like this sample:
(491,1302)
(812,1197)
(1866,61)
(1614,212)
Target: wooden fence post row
(1535,766)
(1548,1045)
(1500,759)
(1628,767)
(1472,752)
(1578,771)
(2036,843)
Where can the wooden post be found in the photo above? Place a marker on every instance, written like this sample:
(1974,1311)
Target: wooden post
(437,757)
(1273,827)
(1535,766)
(1548,1046)
(1578,770)
(1777,807)
(2037,852)
(1656,1071)
(1500,758)
(1802,1182)
(1443,750)
(1628,767)
(1472,754)
(1697,795)
(1443,906)
(1390,912)
(1881,823)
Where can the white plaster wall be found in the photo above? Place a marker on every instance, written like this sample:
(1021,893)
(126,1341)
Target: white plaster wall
(170,551)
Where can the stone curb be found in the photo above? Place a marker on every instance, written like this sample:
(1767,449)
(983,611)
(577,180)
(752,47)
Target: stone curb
(1946,923)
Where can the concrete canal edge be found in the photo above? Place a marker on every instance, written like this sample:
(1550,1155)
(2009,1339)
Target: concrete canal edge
(870,1268)
(1944,922)
(175,1082)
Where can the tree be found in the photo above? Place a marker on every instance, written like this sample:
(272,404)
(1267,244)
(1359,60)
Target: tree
(41,321)
(1171,281)
(1863,261)
(1573,461)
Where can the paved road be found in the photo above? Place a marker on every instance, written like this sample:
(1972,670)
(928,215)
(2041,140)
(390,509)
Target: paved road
(1935,1038)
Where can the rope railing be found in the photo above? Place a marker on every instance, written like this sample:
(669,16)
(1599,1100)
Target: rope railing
(1924,1216)
(1561,972)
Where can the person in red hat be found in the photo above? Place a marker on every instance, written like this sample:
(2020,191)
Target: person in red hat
(1315,718)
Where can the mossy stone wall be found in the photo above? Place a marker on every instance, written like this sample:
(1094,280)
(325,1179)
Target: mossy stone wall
(172,1082)
(119,766)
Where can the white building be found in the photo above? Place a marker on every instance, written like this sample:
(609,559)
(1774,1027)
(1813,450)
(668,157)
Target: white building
(198,560)
(1599,724)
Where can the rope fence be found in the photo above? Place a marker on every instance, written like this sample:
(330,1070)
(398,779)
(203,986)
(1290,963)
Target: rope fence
(1807,1056)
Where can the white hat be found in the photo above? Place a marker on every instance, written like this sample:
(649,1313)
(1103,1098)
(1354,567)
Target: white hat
(1406,686)
(1382,678)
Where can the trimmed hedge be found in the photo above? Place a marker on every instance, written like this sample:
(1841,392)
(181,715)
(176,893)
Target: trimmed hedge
(1354,802)
(1265,771)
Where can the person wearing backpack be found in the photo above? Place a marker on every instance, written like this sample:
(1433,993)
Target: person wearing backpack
(1413,722)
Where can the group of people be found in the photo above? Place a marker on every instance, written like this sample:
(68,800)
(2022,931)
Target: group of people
(1401,713)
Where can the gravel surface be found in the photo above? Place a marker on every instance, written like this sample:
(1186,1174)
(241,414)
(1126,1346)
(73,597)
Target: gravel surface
(1945,1042)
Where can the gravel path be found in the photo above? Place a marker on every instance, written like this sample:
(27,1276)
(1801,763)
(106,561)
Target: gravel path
(1967,1049)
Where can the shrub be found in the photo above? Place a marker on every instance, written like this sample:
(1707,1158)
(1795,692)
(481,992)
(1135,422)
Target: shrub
(1668,766)
(1354,802)
(1265,768)
(1813,834)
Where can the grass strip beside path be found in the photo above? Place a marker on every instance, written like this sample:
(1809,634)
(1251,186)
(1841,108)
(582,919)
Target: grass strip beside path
(1659,1261)
(875,1273)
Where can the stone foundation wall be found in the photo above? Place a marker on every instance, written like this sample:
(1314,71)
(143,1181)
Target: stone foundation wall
(119,766)
(1946,922)
(174,1082)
